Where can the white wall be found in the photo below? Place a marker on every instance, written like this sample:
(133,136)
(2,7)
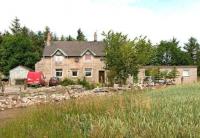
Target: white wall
(18,73)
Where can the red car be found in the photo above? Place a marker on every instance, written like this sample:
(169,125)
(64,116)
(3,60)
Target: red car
(54,81)
(35,79)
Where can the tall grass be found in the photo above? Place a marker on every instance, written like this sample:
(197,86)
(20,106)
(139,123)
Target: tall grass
(170,112)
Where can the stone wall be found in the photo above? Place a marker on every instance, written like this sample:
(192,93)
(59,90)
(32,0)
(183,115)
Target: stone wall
(191,78)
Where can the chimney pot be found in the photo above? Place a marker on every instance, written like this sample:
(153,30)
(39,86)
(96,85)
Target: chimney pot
(95,36)
(48,39)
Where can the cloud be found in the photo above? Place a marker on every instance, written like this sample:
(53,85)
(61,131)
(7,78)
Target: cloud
(66,16)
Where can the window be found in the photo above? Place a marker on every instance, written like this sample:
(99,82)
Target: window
(88,56)
(58,57)
(74,73)
(88,72)
(186,73)
(59,72)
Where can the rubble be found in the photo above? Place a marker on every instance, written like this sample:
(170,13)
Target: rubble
(46,94)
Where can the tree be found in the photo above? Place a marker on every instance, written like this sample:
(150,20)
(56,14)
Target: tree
(80,35)
(17,50)
(1,37)
(55,38)
(70,38)
(62,38)
(15,26)
(144,50)
(22,47)
(192,48)
(45,33)
(169,53)
(120,56)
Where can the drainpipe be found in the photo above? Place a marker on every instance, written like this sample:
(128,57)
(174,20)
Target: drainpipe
(51,67)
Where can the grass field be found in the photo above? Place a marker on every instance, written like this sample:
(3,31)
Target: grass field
(170,112)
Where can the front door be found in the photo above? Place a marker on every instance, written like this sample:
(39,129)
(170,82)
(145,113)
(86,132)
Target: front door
(101,76)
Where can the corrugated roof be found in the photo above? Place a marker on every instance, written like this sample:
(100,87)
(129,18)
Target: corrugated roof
(74,48)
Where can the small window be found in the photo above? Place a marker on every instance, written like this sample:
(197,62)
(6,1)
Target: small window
(58,59)
(74,73)
(88,72)
(186,73)
(59,72)
(88,56)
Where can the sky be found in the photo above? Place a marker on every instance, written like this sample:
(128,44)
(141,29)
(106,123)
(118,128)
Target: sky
(156,19)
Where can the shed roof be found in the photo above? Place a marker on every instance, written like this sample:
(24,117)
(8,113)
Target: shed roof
(26,68)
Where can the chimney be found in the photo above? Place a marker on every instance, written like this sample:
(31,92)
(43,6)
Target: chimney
(95,36)
(48,39)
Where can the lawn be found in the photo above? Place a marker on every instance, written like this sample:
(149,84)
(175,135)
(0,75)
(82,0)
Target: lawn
(170,112)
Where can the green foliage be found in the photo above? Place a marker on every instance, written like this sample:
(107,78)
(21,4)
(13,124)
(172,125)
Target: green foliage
(170,112)
(17,50)
(67,82)
(54,37)
(169,53)
(173,74)
(111,74)
(157,74)
(85,84)
(21,47)
(192,48)
(62,38)
(45,33)
(80,36)
(144,50)
(70,38)
(124,56)
(15,26)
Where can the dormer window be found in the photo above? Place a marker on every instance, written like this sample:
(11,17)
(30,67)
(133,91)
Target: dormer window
(88,56)
(58,57)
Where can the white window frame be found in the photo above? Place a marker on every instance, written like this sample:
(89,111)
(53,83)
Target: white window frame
(61,71)
(186,74)
(85,71)
(72,73)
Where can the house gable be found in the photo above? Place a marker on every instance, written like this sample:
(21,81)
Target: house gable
(59,52)
(86,51)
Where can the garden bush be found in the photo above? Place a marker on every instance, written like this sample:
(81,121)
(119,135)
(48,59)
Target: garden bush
(87,85)
(67,82)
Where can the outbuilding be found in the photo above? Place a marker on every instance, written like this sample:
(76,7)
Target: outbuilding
(18,75)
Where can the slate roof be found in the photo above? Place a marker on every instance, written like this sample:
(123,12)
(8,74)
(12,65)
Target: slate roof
(74,48)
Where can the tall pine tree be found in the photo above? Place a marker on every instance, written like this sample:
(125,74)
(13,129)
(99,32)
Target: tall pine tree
(15,26)
(192,48)
(80,35)
(62,38)
(70,38)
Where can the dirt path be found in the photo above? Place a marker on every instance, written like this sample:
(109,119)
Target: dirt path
(8,115)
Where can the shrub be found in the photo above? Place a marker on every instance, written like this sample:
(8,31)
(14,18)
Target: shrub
(86,84)
(67,82)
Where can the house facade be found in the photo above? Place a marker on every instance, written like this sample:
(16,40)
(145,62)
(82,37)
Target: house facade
(186,74)
(79,59)
(73,60)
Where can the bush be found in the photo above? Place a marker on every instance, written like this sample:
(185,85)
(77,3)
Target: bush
(83,82)
(86,84)
(67,82)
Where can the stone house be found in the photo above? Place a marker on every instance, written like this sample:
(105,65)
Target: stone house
(187,74)
(73,59)
(79,59)
(18,75)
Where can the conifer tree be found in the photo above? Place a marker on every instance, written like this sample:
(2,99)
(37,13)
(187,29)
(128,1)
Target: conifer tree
(80,35)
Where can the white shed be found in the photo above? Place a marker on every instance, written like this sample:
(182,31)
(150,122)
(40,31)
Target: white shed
(18,75)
